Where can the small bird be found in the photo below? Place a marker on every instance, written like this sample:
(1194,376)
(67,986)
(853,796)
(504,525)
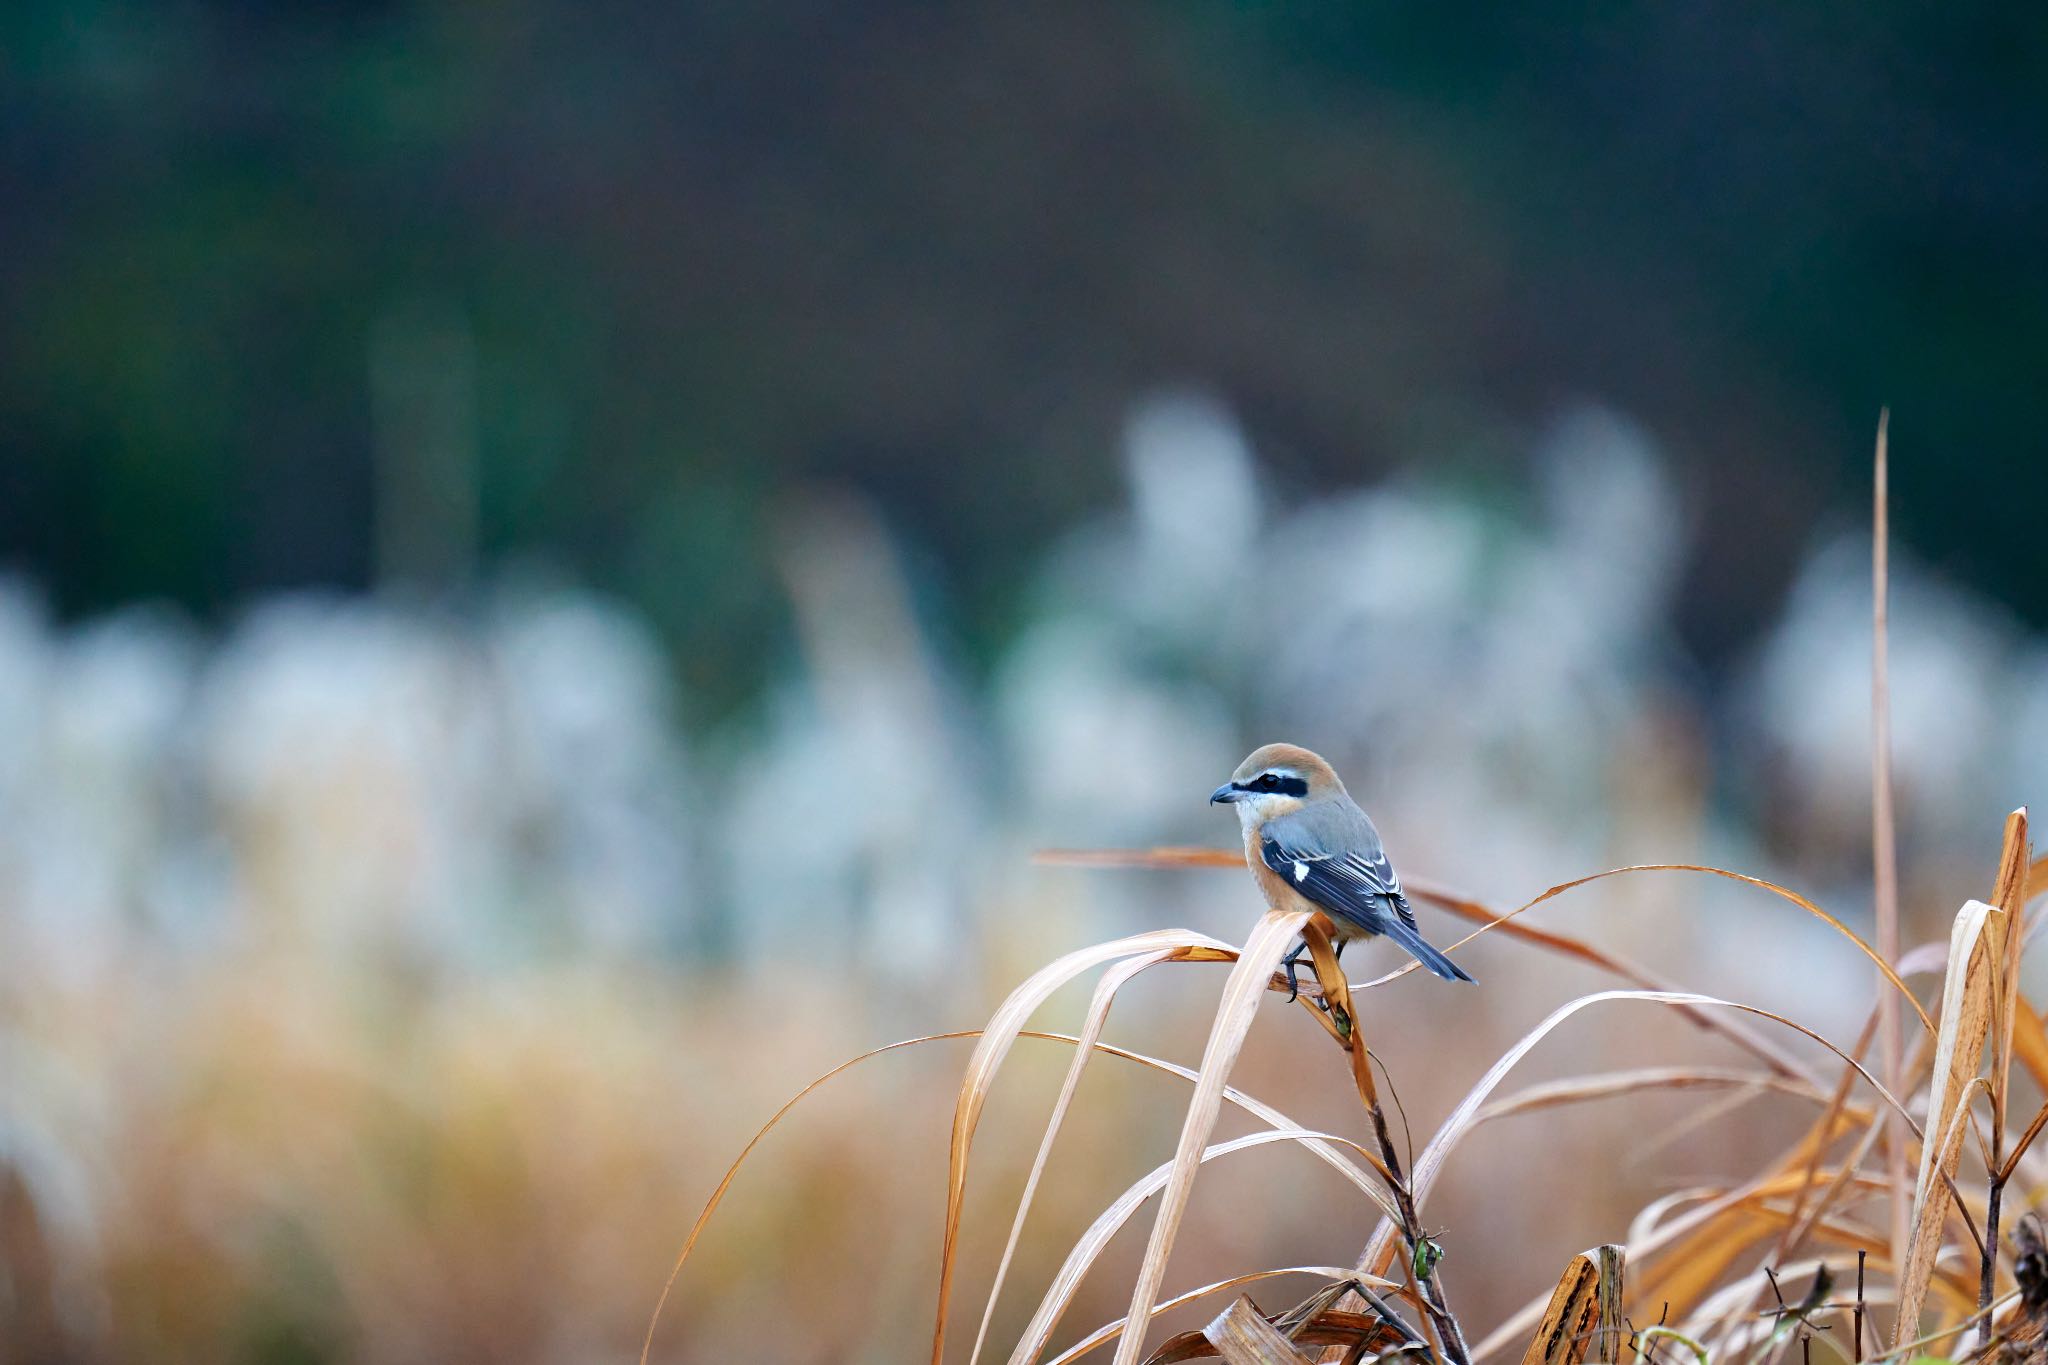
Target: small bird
(1310,847)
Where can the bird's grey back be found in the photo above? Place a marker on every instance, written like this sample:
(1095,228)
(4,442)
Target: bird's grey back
(1324,828)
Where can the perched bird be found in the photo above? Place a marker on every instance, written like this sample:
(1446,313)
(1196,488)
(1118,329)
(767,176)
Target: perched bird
(1310,847)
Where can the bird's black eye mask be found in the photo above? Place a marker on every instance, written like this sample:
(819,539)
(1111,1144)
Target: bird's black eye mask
(1280,784)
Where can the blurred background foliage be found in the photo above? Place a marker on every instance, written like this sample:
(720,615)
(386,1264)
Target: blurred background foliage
(560,559)
(664,262)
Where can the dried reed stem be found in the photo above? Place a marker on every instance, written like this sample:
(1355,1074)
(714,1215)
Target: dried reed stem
(1883,830)
(1335,990)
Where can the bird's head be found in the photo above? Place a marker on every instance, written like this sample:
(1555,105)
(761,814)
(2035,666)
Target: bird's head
(1275,781)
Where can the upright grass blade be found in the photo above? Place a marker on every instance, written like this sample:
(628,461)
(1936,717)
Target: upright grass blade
(2009,895)
(994,1045)
(1256,962)
(1974,967)
(1883,826)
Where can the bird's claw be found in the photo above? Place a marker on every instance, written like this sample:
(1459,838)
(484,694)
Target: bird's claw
(1292,965)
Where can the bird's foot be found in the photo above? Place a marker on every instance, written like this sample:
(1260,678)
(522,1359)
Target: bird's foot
(1292,965)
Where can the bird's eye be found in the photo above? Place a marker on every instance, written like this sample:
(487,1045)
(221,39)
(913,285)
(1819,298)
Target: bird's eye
(1266,782)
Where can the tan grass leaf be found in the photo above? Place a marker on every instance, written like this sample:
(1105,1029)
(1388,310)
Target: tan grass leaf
(1258,1109)
(1506,921)
(2009,895)
(994,1045)
(1261,954)
(1611,1084)
(1784,893)
(1242,1337)
(1966,1000)
(1430,1164)
(1884,855)
(1089,1247)
(1091,1031)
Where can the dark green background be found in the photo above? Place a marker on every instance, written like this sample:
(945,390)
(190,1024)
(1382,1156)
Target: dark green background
(708,254)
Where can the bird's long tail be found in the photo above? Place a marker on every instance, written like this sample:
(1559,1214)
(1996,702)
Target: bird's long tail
(1422,952)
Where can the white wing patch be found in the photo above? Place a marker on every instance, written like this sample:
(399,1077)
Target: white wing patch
(1300,870)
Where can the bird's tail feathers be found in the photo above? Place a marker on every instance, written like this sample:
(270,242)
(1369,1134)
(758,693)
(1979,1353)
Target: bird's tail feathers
(1420,950)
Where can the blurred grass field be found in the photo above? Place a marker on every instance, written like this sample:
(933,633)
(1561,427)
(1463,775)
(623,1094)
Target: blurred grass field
(382,981)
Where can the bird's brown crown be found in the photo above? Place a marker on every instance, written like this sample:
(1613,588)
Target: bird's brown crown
(1309,766)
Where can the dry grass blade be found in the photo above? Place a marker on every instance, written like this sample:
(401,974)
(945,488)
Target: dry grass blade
(1815,1147)
(1430,1164)
(2033,1130)
(1327,1151)
(1567,945)
(1091,1031)
(1640,1245)
(1782,892)
(2009,895)
(1370,1184)
(1587,1296)
(1746,1205)
(1611,1084)
(1755,1329)
(1883,827)
(1168,855)
(1966,1001)
(1261,954)
(725,1183)
(1700,1243)
(1060,1293)
(2006,1006)
(1110,1331)
(2029,1040)
(1492,920)
(1242,1337)
(996,1041)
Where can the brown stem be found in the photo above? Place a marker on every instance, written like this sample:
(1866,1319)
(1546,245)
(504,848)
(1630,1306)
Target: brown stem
(1994,1196)
(1411,1234)
(1342,1024)
(1860,1254)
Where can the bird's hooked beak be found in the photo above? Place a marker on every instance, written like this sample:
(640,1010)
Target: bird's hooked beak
(1227,794)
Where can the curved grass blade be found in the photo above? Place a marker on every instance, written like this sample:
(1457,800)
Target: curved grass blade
(1091,1031)
(1611,1084)
(1060,1293)
(1782,892)
(994,1045)
(1265,1113)
(1490,919)
(1430,1164)
(1261,954)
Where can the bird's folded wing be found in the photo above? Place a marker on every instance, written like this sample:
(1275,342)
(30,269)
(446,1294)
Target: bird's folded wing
(1358,887)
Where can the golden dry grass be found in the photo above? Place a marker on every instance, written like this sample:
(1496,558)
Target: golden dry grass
(1959,1094)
